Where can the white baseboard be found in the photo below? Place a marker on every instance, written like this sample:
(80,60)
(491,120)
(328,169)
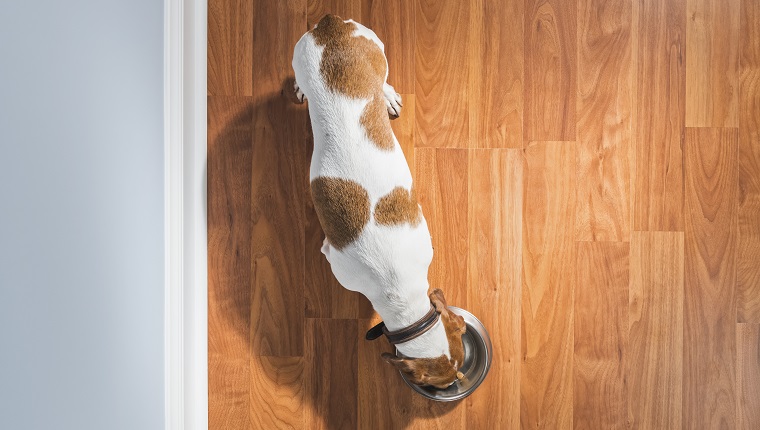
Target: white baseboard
(185,313)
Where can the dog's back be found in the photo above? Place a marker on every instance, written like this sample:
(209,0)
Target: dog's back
(377,239)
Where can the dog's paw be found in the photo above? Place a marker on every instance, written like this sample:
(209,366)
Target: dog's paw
(326,249)
(392,101)
(299,94)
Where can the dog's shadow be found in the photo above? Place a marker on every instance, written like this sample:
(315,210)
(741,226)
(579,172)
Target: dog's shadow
(258,162)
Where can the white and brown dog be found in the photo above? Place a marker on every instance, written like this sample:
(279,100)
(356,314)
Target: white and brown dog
(377,240)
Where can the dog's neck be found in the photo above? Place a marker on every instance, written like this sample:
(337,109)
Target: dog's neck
(401,312)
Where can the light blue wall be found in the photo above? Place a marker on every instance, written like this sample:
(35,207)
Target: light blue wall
(81,214)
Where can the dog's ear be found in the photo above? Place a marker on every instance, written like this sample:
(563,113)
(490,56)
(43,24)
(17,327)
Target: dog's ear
(438,372)
(438,300)
(403,364)
(414,368)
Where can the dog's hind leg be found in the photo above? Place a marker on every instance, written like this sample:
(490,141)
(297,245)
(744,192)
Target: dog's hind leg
(326,249)
(392,100)
(299,93)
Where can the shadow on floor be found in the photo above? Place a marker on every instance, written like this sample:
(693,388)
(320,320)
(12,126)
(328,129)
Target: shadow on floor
(261,233)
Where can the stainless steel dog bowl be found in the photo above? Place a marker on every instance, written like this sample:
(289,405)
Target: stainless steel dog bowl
(478,354)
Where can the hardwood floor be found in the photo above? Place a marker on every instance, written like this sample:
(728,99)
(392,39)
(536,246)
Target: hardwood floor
(590,172)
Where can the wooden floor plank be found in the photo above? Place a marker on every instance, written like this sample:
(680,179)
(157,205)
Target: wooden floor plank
(441,73)
(229,385)
(710,240)
(346,9)
(330,374)
(442,192)
(320,285)
(393,22)
(712,63)
(229,225)
(403,128)
(546,383)
(229,259)
(278,184)
(438,415)
(658,115)
(494,283)
(385,401)
(604,120)
(277,392)
(748,271)
(496,80)
(230,51)
(600,317)
(748,376)
(655,314)
(550,70)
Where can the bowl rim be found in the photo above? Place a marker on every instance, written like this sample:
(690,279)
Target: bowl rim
(489,357)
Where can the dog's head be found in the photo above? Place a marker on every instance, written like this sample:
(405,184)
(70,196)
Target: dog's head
(439,372)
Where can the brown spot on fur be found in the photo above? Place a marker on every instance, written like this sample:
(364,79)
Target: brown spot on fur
(376,123)
(398,207)
(356,67)
(342,207)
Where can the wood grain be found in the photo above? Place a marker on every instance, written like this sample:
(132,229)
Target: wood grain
(346,9)
(320,285)
(330,374)
(442,192)
(712,60)
(604,120)
(437,415)
(228,395)
(377,379)
(546,383)
(230,52)
(403,128)
(600,317)
(748,376)
(229,224)
(441,73)
(656,324)
(496,74)
(710,239)
(748,271)
(658,115)
(550,70)
(278,185)
(277,383)
(229,260)
(494,291)
(393,22)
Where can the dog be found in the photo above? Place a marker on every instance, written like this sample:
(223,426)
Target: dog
(376,238)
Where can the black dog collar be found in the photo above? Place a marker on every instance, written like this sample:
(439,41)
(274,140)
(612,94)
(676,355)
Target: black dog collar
(407,333)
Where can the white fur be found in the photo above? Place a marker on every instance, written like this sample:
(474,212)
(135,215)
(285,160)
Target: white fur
(389,265)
